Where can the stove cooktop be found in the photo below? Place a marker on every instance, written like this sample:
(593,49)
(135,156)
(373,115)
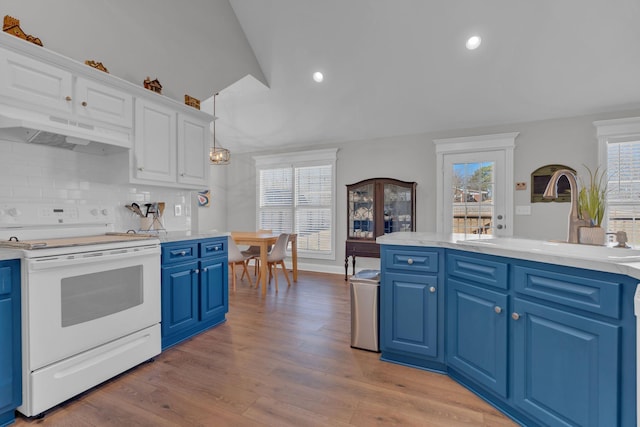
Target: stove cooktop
(75,241)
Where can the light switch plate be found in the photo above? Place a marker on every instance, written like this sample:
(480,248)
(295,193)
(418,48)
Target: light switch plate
(523,210)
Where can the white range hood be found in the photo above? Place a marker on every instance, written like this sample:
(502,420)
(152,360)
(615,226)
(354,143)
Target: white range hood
(60,133)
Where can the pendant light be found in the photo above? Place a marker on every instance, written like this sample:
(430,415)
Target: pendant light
(217,154)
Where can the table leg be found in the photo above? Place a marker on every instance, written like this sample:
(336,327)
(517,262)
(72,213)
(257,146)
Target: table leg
(294,258)
(264,249)
(346,267)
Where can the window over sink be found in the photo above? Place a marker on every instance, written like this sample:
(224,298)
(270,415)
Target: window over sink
(296,194)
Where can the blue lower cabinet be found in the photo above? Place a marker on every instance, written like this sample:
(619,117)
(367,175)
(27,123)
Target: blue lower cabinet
(546,344)
(214,301)
(10,342)
(410,314)
(180,298)
(477,334)
(195,294)
(565,366)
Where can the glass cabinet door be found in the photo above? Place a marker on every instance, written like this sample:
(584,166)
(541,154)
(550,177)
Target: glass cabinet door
(361,211)
(398,208)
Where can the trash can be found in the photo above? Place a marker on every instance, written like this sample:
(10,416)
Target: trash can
(365,301)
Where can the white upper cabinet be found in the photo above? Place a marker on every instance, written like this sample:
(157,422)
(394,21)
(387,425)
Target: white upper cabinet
(98,102)
(193,150)
(31,82)
(155,143)
(170,148)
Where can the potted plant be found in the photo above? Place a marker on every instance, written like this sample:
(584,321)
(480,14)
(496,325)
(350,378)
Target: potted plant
(592,200)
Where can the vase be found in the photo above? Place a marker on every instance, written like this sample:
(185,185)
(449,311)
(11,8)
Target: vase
(591,235)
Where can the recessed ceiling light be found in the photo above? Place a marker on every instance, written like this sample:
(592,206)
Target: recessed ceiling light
(473,42)
(318,77)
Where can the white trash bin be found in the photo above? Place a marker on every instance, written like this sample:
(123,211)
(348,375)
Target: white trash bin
(365,306)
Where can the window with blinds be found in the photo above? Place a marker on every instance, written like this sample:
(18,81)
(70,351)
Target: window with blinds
(299,197)
(623,189)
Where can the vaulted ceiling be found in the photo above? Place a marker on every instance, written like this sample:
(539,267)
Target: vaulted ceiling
(395,67)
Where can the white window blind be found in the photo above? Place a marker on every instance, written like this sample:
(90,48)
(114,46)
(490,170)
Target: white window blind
(623,196)
(296,194)
(619,152)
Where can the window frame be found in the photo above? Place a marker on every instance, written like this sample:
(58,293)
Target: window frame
(615,131)
(297,160)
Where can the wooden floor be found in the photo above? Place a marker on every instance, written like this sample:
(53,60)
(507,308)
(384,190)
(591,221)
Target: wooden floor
(283,360)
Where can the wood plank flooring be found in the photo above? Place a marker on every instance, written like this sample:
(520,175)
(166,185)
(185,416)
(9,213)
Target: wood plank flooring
(283,360)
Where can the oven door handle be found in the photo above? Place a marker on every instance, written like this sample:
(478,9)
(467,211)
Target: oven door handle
(44,263)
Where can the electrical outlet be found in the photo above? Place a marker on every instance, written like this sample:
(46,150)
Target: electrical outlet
(177,210)
(523,210)
(521,186)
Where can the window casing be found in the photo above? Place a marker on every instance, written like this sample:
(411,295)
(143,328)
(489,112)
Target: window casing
(296,194)
(619,153)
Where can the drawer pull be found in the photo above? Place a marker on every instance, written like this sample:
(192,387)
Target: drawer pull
(432,289)
(410,261)
(497,309)
(515,316)
(183,253)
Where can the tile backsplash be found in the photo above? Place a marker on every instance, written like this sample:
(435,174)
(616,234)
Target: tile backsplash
(31,173)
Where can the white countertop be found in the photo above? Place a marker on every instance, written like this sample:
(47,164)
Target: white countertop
(177,236)
(600,258)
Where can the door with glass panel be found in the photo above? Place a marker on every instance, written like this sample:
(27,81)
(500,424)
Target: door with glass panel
(474,194)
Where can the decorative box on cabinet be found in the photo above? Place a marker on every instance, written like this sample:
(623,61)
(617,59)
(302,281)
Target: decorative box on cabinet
(411,309)
(170,148)
(195,295)
(375,207)
(10,342)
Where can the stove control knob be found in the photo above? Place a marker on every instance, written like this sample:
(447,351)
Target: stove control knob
(13,212)
(94,212)
(2,212)
(105,212)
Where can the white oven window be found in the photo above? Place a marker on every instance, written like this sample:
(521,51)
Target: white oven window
(92,296)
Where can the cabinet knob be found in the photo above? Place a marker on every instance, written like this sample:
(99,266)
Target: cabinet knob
(67,98)
(409,261)
(497,309)
(196,271)
(500,226)
(182,174)
(84,103)
(515,316)
(432,289)
(205,269)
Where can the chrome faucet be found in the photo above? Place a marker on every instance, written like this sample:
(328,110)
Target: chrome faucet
(575,222)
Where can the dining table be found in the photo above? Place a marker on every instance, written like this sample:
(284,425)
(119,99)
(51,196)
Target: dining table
(265,240)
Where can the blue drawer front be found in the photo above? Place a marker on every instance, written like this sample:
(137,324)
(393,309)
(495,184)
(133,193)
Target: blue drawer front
(414,261)
(213,248)
(596,296)
(479,269)
(178,253)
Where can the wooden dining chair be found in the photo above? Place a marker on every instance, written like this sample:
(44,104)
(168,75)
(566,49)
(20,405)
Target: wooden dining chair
(237,258)
(276,257)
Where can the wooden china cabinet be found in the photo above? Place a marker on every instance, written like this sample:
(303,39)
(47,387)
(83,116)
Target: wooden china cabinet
(375,207)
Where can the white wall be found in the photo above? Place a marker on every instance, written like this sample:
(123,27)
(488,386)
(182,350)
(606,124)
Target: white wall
(569,141)
(195,47)
(31,173)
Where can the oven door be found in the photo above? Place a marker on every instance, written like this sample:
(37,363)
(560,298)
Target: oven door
(73,303)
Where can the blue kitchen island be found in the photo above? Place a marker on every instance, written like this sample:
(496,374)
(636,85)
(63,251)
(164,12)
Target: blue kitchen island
(544,331)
